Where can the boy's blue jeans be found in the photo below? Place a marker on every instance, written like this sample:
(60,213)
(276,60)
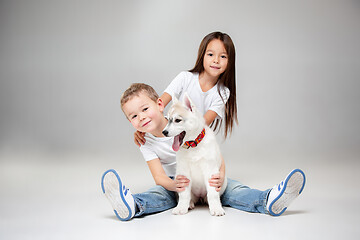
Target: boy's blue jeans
(236,195)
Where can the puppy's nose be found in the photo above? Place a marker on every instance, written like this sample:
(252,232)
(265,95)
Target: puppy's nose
(165,132)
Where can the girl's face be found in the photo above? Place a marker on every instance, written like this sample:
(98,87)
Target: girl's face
(216,58)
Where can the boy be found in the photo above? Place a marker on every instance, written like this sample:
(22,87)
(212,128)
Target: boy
(144,109)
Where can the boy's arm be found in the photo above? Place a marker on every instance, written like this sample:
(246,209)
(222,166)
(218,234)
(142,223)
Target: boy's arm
(160,177)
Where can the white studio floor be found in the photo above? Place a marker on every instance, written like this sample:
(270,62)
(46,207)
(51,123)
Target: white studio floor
(46,196)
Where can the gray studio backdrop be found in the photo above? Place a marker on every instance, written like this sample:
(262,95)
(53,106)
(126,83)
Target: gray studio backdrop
(64,65)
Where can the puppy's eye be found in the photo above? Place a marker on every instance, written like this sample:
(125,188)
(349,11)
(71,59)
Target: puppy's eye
(177,120)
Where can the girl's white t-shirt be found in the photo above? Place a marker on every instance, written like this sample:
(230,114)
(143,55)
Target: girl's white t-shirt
(160,147)
(204,101)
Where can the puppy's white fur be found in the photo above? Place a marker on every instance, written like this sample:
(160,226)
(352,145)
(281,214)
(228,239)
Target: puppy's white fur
(197,164)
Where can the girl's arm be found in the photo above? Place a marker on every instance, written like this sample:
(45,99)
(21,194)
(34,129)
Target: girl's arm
(139,138)
(217,180)
(166,98)
(209,115)
(160,177)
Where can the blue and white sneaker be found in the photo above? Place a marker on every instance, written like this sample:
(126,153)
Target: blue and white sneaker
(281,195)
(119,196)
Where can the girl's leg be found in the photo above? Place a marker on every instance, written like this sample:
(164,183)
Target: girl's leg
(156,199)
(244,198)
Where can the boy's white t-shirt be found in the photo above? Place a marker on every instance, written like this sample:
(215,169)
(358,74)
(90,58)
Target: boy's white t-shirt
(204,101)
(160,147)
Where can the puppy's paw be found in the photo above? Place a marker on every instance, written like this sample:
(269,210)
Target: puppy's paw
(217,211)
(179,210)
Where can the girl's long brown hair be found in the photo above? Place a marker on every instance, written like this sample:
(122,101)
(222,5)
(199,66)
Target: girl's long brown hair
(226,79)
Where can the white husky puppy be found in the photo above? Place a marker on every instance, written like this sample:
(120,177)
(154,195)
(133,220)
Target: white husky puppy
(198,156)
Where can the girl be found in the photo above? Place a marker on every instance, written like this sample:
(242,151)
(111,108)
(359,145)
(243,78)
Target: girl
(211,83)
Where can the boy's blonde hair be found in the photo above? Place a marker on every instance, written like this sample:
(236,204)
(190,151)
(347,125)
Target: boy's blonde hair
(135,89)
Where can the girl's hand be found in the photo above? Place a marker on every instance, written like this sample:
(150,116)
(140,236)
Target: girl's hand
(217,181)
(181,182)
(139,138)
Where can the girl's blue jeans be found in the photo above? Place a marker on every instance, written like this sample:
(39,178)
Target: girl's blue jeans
(236,195)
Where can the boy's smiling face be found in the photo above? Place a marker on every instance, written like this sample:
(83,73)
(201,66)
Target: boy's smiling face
(145,114)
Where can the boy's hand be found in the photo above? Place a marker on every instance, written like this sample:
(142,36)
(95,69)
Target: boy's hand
(139,138)
(217,181)
(181,182)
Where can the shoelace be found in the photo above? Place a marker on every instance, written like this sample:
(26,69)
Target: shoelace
(280,185)
(125,190)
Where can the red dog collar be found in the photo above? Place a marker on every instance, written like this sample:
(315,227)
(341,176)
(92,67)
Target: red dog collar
(194,143)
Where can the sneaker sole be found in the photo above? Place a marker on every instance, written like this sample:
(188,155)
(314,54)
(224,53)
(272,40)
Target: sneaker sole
(112,188)
(293,186)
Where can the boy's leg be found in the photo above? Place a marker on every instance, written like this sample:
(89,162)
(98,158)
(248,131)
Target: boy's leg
(272,201)
(156,199)
(244,198)
(118,195)
(282,194)
(127,206)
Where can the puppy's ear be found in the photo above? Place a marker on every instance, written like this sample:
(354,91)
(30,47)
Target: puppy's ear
(188,103)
